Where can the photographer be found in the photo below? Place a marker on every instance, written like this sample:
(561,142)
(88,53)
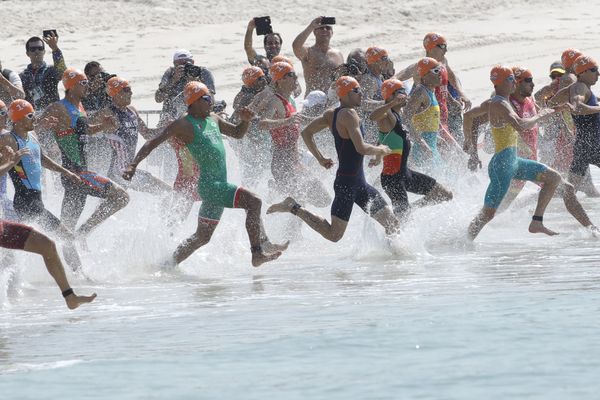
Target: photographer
(96,97)
(173,81)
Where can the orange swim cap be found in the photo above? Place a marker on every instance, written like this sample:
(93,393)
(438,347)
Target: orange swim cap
(18,109)
(389,87)
(426,64)
(374,54)
(433,39)
(521,73)
(251,75)
(193,91)
(71,77)
(115,85)
(280,58)
(499,74)
(583,63)
(568,57)
(345,84)
(279,70)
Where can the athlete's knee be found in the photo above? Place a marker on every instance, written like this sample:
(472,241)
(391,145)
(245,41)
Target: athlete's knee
(552,177)
(119,196)
(253,202)
(335,236)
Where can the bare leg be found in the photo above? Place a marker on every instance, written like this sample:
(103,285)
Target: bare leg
(485,215)
(202,236)
(587,185)
(333,232)
(550,179)
(437,194)
(573,205)
(40,244)
(252,205)
(116,200)
(387,219)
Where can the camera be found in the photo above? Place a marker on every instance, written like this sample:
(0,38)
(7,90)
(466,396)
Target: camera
(219,106)
(192,70)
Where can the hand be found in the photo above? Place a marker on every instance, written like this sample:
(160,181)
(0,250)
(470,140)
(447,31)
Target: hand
(13,157)
(326,163)
(246,114)
(400,100)
(383,150)
(373,162)
(466,103)
(474,162)
(51,41)
(251,24)
(48,122)
(128,172)
(315,23)
(178,73)
(564,107)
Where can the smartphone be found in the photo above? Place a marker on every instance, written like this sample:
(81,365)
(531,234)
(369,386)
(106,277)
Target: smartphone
(328,21)
(50,32)
(263,25)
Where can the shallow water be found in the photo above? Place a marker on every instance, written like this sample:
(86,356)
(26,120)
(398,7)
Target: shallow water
(426,316)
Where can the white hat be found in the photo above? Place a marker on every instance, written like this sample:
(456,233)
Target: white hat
(182,54)
(315,98)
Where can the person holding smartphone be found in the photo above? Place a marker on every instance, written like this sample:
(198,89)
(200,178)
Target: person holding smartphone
(40,80)
(272,43)
(320,60)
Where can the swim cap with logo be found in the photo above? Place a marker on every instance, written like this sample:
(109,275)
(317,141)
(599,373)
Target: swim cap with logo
(433,39)
(279,70)
(389,87)
(583,63)
(425,65)
(193,91)
(499,73)
(115,85)
(71,77)
(374,54)
(568,57)
(521,73)
(345,84)
(18,109)
(251,75)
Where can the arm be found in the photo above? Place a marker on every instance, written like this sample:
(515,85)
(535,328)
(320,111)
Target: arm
(414,106)
(268,122)
(454,81)
(577,99)
(300,50)
(236,131)
(9,157)
(501,112)
(470,145)
(50,164)
(308,133)
(250,52)
(147,133)
(407,73)
(168,80)
(543,95)
(12,86)
(57,55)
(383,111)
(351,122)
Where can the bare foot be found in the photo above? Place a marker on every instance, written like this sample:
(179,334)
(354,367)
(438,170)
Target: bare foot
(73,301)
(269,247)
(538,227)
(260,257)
(285,206)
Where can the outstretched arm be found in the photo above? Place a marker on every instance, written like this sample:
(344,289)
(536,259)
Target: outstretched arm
(236,131)
(308,133)
(250,52)
(300,50)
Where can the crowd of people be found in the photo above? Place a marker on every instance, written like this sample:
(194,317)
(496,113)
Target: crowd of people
(418,122)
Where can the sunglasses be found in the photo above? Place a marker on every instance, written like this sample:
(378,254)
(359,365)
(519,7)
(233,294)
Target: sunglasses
(510,78)
(528,80)
(207,98)
(384,58)
(356,90)
(443,46)
(36,48)
(400,91)
(83,82)
(3,113)
(291,75)
(595,69)
(436,70)
(126,89)
(30,116)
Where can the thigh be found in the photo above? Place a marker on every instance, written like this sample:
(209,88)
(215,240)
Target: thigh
(343,201)
(500,170)
(369,199)
(529,170)
(92,184)
(418,183)
(13,235)
(580,161)
(393,185)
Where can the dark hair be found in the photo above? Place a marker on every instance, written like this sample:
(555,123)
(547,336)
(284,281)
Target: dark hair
(31,40)
(272,34)
(88,67)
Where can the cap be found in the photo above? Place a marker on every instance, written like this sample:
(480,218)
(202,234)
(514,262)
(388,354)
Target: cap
(521,73)
(345,84)
(279,70)
(71,77)
(18,109)
(557,66)
(389,87)
(425,65)
(193,91)
(251,75)
(583,63)
(182,54)
(374,54)
(433,39)
(115,85)
(568,57)
(315,98)
(499,73)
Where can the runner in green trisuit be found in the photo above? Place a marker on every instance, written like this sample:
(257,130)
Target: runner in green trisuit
(201,131)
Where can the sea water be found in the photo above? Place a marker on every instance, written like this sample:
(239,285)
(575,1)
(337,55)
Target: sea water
(425,314)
